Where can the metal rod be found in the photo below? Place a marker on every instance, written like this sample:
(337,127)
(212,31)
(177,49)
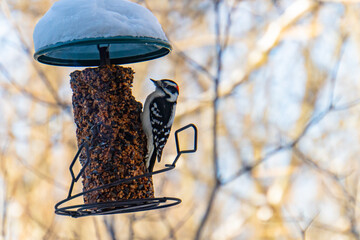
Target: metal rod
(104,55)
(125,206)
(75,179)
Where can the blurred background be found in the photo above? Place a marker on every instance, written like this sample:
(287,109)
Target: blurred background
(281,161)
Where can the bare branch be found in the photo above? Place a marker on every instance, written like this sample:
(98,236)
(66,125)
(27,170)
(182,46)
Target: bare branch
(297,220)
(330,174)
(109,224)
(4,215)
(41,175)
(219,52)
(197,66)
(26,93)
(97,231)
(258,56)
(334,74)
(209,207)
(28,51)
(131,227)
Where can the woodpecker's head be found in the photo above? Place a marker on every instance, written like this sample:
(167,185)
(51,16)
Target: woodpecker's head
(168,87)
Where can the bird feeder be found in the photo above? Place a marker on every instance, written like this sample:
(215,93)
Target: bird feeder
(111,141)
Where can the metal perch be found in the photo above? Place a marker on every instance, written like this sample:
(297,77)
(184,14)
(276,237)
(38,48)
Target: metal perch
(126,206)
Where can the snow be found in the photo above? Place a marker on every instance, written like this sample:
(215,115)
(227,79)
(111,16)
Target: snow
(69,20)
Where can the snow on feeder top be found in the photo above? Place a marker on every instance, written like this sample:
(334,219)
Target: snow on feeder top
(71,33)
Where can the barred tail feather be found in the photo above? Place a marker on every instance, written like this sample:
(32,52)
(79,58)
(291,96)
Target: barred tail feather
(159,153)
(152,161)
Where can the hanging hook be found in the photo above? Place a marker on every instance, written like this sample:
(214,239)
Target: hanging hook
(104,55)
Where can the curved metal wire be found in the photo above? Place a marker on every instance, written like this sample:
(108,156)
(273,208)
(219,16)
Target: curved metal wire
(126,206)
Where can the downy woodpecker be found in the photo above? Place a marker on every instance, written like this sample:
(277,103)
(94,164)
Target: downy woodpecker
(157,118)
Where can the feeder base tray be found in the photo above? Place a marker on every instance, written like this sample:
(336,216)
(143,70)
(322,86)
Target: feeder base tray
(129,206)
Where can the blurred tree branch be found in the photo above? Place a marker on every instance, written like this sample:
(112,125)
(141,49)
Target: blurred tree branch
(27,50)
(25,92)
(277,156)
(219,52)
(258,56)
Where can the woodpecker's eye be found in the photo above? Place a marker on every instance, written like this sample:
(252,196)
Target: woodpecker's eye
(171,89)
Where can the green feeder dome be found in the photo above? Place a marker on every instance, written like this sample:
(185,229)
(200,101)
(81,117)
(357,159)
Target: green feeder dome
(72,32)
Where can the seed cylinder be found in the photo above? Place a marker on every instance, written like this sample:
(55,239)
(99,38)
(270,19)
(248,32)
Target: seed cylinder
(107,118)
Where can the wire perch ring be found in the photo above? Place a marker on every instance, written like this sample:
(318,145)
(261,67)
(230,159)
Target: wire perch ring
(126,206)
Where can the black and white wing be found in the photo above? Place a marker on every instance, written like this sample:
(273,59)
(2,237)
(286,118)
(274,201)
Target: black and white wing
(160,118)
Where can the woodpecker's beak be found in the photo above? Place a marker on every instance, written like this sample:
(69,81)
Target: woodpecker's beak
(155,82)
